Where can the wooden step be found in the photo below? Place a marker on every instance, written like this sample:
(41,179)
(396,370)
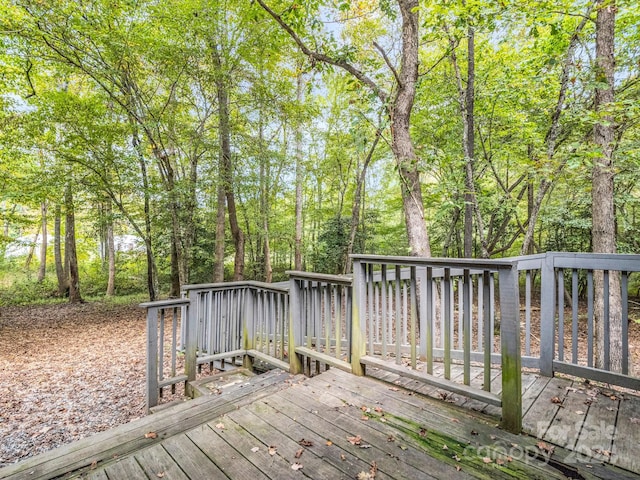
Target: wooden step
(103,447)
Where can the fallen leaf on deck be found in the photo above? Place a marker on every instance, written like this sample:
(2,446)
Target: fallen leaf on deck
(364,476)
(296,466)
(342,457)
(329,443)
(272,450)
(473,432)
(378,410)
(355,440)
(545,447)
(634,420)
(94,464)
(394,389)
(299,453)
(444,447)
(160,474)
(151,435)
(487,460)
(556,400)
(255,449)
(220,426)
(305,443)
(458,468)
(422,432)
(579,412)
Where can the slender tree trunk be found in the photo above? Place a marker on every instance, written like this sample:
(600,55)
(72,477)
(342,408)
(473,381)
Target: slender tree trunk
(63,282)
(226,172)
(603,209)
(42,269)
(553,133)
(110,251)
(70,247)
(299,179)
(32,249)
(218,266)
(357,202)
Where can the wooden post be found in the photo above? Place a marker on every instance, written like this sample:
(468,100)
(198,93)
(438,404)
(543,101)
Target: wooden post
(547,316)
(190,315)
(510,348)
(152,358)
(358,319)
(248,328)
(295,332)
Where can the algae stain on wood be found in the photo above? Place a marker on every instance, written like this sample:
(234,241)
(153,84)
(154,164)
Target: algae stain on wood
(482,461)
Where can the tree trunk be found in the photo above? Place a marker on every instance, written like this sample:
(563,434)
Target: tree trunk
(357,201)
(226,172)
(32,249)
(603,210)
(42,269)
(152,271)
(70,247)
(63,282)
(299,178)
(401,142)
(111,251)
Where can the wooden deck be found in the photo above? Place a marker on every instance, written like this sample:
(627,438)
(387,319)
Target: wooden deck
(339,426)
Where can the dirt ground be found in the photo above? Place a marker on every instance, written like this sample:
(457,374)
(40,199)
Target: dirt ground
(66,372)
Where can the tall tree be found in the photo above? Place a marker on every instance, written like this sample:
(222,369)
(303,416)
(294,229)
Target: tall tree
(399,104)
(602,193)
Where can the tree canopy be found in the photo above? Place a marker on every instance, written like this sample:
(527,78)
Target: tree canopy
(231,138)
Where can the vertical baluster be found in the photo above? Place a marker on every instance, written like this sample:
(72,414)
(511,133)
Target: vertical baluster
(369,315)
(161,348)
(460,316)
(574,316)
(590,318)
(152,357)
(414,314)
(607,336)
(488,328)
(383,306)
(481,297)
(406,316)
(348,321)
(625,322)
(527,313)
(174,346)
(430,319)
(328,318)
(446,287)
(466,327)
(338,298)
(560,314)
(398,315)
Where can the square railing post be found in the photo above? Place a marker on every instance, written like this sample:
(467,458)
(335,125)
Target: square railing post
(510,349)
(190,315)
(547,316)
(295,326)
(358,319)
(248,328)
(152,358)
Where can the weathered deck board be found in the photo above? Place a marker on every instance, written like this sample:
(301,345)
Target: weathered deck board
(191,459)
(131,437)
(402,435)
(626,444)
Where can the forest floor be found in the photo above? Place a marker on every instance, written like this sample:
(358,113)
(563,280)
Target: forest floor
(66,372)
(69,371)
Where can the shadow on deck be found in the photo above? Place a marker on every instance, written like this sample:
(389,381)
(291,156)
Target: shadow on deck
(340,426)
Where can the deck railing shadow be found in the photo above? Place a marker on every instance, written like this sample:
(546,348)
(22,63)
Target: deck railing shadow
(405,314)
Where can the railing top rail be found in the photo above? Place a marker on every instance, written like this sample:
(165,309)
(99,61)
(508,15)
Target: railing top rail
(277,287)
(596,261)
(172,302)
(464,263)
(321,277)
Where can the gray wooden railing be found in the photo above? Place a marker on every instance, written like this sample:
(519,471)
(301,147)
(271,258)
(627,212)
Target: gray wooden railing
(405,313)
